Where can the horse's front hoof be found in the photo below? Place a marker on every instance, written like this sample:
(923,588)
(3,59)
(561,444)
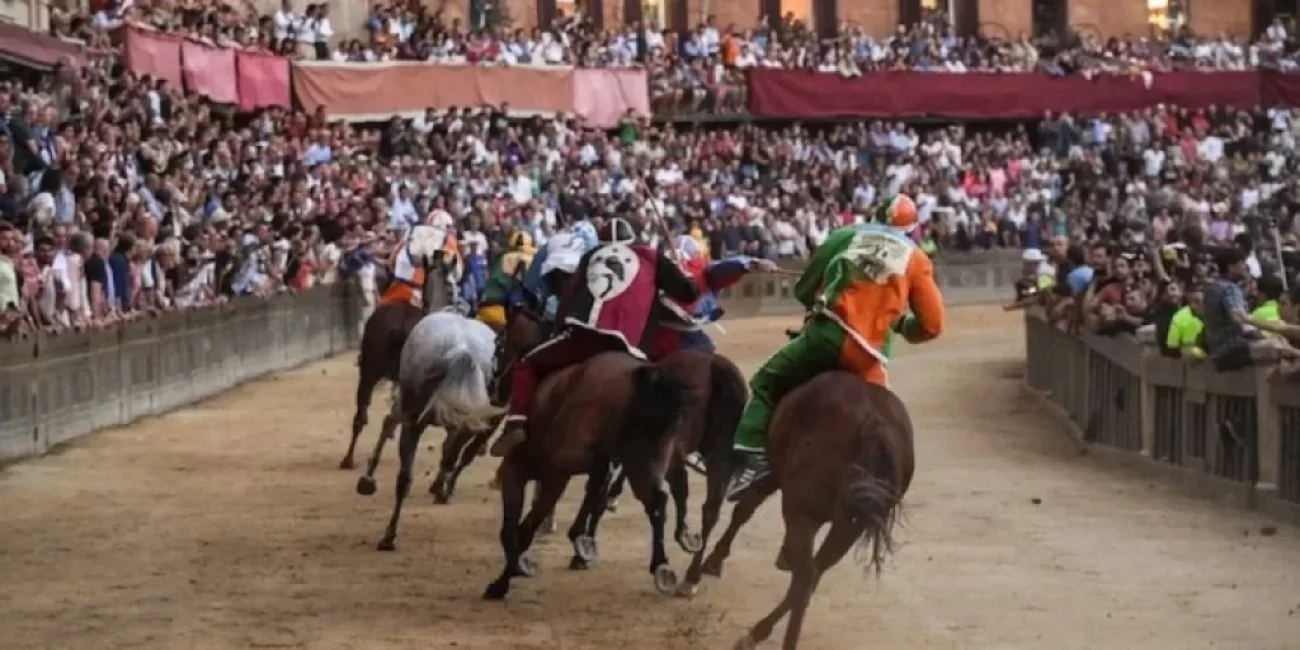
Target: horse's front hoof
(687,590)
(746,642)
(665,579)
(346,463)
(366,486)
(386,544)
(579,564)
(440,494)
(525,568)
(690,542)
(496,591)
(584,546)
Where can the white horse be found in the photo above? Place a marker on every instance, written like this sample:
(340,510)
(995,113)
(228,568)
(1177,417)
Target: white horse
(446,366)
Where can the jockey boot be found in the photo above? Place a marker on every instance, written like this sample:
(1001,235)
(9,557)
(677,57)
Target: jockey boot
(515,433)
(752,471)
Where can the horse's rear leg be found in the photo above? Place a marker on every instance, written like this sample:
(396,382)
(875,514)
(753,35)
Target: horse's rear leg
(513,483)
(652,493)
(582,534)
(542,514)
(800,541)
(365,389)
(740,515)
(716,490)
(407,446)
(457,452)
(366,484)
(679,484)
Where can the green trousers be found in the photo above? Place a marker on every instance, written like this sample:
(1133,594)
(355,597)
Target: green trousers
(816,350)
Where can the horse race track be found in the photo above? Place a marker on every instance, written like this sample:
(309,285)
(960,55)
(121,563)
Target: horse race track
(227,525)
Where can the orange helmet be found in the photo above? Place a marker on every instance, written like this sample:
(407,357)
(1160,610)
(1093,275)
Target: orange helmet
(900,213)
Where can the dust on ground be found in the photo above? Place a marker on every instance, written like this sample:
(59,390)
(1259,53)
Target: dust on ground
(226,525)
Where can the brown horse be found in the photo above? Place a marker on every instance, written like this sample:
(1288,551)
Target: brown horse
(718,395)
(612,408)
(380,357)
(841,452)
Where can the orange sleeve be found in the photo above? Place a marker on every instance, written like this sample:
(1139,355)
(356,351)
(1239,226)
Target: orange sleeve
(925,300)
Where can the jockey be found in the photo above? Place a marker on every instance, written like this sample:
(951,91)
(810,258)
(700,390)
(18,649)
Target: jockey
(407,282)
(503,279)
(682,325)
(555,263)
(607,308)
(857,287)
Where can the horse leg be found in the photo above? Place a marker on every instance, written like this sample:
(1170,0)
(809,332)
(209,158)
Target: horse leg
(452,449)
(545,526)
(549,491)
(615,490)
(679,483)
(366,484)
(800,542)
(513,483)
(365,389)
(406,448)
(740,515)
(653,495)
(716,491)
(582,534)
(473,449)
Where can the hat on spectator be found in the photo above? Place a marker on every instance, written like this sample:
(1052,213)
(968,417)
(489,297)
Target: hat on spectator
(1033,255)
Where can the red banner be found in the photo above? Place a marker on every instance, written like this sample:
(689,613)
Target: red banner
(155,55)
(210,71)
(263,80)
(802,94)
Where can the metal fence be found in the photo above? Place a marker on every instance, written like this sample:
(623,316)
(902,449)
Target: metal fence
(1235,431)
(53,389)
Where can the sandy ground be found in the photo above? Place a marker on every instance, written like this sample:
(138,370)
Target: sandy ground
(227,525)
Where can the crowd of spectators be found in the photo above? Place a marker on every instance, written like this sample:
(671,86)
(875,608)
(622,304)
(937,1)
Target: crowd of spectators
(121,197)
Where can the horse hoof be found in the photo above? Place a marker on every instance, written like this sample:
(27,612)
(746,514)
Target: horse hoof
(584,546)
(346,464)
(525,567)
(496,591)
(366,486)
(746,642)
(665,579)
(612,505)
(386,545)
(690,542)
(579,564)
(687,590)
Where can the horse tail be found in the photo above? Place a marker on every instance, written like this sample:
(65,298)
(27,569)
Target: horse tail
(873,493)
(460,399)
(658,402)
(727,396)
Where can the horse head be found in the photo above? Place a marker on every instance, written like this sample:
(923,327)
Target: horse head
(525,329)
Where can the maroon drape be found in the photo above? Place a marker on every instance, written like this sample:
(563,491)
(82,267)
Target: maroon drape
(802,94)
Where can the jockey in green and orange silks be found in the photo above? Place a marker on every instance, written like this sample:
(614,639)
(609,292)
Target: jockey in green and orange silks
(858,287)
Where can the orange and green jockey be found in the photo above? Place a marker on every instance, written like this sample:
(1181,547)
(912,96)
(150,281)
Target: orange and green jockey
(858,287)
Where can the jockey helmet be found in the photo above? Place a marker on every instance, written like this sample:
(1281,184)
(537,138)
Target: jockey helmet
(617,231)
(900,213)
(519,240)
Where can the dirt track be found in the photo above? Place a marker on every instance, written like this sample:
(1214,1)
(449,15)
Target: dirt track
(227,526)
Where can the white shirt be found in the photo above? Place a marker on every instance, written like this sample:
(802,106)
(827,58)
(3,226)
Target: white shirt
(286,23)
(323,31)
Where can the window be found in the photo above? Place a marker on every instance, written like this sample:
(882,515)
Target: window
(1167,14)
(655,11)
(800,9)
